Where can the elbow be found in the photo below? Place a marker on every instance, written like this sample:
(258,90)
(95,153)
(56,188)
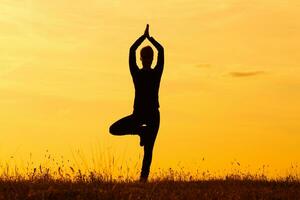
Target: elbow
(161,53)
(132,49)
(160,49)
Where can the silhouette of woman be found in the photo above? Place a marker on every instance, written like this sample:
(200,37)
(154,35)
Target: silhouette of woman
(145,119)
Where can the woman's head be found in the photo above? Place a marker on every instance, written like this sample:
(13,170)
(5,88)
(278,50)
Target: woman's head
(147,56)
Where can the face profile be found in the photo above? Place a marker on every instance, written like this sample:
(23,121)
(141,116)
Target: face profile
(147,56)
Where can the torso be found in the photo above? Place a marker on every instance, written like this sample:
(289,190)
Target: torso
(146,83)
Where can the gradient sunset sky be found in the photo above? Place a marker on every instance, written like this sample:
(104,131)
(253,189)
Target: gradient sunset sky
(230,88)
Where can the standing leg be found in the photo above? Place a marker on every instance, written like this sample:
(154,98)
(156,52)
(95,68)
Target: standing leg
(150,136)
(125,126)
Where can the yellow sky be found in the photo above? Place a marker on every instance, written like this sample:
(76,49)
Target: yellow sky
(230,89)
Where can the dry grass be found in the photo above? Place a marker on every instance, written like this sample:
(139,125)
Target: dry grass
(65,180)
(45,188)
(43,184)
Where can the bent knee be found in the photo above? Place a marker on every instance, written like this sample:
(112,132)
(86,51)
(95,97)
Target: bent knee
(115,130)
(112,130)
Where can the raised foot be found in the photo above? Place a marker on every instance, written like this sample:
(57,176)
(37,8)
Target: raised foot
(142,136)
(142,140)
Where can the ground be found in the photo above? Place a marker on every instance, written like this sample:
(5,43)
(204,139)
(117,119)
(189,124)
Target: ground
(39,189)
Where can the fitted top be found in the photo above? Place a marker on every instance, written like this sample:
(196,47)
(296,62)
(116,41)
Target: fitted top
(146,81)
(146,84)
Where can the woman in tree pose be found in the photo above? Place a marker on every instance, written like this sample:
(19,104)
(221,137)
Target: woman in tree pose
(144,121)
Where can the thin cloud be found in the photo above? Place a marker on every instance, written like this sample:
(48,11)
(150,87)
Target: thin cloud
(246,74)
(204,65)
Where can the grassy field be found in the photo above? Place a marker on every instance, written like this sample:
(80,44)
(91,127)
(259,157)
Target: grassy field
(39,189)
(54,179)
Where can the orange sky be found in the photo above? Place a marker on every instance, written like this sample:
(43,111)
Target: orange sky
(230,89)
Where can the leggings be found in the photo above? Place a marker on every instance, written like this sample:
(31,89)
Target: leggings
(132,125)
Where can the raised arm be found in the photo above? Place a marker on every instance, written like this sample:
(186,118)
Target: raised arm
(160,57)
(132,57)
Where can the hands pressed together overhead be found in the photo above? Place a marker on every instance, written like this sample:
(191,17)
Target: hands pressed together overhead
(147,31)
